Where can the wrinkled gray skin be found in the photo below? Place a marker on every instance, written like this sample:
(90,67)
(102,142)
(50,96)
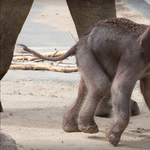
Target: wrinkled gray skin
(109,56)
(14,12)
(12,17)
(144,41)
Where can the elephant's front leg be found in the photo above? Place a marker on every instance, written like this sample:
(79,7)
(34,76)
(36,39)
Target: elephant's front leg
(145,89)
(70,118)
(121,90)
(12,17)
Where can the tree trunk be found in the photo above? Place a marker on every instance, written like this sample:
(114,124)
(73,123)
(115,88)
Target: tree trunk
(86,13)
(12,16)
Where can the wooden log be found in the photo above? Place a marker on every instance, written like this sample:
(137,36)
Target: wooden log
(22,67)
(63,69)
(44,67)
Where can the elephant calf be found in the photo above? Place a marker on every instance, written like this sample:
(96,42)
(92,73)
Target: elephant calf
(109,56)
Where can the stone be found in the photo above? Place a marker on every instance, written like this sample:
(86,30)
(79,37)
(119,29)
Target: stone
(7,142)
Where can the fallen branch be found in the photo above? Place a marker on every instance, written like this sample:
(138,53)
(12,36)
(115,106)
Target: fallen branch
(44,67)
(72,36)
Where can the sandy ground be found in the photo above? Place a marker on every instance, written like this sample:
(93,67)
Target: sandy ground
(34,109)
(33,117)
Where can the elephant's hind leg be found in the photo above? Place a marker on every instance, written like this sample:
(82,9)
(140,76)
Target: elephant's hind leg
(97,85)
(134,108)
(70,118)
(104,108)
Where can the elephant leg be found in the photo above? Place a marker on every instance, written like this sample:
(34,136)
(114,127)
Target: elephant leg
(145,89)
(97,84)
(1,108)
(121,90)
(101,10)
(134,108)
(13,15)
(70,118)
(104,108)
(88,12)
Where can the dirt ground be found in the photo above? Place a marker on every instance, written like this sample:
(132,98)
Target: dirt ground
(34,110)
(33,117)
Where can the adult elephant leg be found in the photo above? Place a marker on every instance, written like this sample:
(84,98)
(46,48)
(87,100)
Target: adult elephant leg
(12,17)
(1,107)
(70,118)
(86,13)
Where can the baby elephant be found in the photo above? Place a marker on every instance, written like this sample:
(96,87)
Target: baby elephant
(109,56)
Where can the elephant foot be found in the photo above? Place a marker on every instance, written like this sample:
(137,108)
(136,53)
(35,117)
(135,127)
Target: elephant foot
(88,127)
(112,137)
(70,128)
(1,108)
(134,108)
(70,123)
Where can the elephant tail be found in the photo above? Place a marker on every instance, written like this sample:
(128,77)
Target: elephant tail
(70,52)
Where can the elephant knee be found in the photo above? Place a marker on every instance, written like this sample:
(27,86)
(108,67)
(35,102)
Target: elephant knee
(118,89)
(102,88)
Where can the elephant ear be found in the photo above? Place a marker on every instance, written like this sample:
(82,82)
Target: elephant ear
(144,41)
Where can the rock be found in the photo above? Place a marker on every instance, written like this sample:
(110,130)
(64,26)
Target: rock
(30,93)
(53,95)
(7,142)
